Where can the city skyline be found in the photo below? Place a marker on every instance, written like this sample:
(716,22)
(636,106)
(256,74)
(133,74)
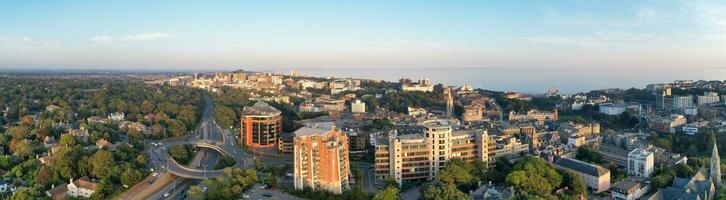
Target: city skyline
(164,35)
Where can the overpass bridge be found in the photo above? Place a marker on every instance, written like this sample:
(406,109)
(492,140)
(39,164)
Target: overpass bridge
(225,148)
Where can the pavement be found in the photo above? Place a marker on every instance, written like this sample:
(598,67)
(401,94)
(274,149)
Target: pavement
(257,192)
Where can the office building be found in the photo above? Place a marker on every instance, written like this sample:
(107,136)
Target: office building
(641,163)
(321,158)
(261,125)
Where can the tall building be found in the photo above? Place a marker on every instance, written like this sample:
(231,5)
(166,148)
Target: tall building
(416,158)
(641,163)
(261,125)
(321,158)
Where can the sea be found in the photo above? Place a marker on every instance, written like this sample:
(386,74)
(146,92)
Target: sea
(531,81)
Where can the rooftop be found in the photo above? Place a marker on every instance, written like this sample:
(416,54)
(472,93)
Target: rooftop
(260,108)
(580,166)
(315,129)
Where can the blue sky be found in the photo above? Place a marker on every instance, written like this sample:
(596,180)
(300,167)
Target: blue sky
(618,35)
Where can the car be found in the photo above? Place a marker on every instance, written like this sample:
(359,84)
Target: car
(245,196)
(152,181)
(166,194)
(263,187)
(205,188)
(155,174)
(268,195)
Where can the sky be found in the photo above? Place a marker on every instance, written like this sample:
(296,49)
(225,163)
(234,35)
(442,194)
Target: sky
(637,36)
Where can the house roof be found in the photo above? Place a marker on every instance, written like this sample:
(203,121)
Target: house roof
(583,167)
(85,182)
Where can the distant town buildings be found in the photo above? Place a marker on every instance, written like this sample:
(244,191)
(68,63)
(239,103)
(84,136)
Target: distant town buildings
(708,98)
(423,85)
(539,116)
(321,158)
(261,125)
(617,109)
(358,106)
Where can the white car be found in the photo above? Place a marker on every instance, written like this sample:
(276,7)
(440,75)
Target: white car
(245,196)
(166,194)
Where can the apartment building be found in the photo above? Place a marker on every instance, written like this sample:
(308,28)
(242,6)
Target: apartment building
(708,98)
(261,125)
(321,158)
(414,158)
(641,163)
(667,124)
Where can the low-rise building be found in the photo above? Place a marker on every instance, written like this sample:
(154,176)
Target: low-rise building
(667,124)
(629,189)
(695,127)
(594,176)
(617,109)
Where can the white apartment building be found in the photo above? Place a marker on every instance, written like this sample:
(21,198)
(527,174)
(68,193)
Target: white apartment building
(358,107)
(708,98)
(641,163)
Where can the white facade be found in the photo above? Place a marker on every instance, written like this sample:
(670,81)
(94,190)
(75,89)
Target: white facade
(708,98)
(612,109)
(358,107)
(641,163)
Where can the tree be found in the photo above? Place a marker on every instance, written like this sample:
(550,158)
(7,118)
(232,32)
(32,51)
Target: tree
(102,163)
(442,191)
(181,153)
(196,193)
(533,176)
(389,193)
(68,140)
(22,148)
(131,177)
(25,193)
(573,181)
(588,154)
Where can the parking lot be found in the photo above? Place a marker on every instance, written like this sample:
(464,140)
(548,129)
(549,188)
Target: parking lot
(257,192)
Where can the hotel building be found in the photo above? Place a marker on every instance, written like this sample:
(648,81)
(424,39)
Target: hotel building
(261,125)
(321,158)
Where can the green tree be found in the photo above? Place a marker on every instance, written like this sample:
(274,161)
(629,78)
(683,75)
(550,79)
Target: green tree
(442,191)
(389,193)
(196,193)
(102,163)
(68,140)
(131,177)
(573,181)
